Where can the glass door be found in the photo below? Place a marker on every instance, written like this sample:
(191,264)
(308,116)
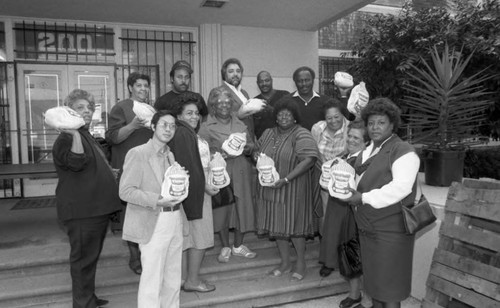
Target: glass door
(99,81)
(44,86)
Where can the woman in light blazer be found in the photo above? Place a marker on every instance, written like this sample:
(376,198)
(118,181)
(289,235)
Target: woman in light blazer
(151,221)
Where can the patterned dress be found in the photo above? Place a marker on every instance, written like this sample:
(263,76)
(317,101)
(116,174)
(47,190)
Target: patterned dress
(288,211)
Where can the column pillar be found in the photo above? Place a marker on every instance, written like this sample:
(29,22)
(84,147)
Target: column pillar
(210,57)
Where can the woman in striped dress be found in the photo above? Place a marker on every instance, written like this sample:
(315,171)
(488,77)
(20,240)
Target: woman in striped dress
(285,210)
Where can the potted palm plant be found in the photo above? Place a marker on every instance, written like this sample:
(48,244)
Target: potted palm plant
(445,110)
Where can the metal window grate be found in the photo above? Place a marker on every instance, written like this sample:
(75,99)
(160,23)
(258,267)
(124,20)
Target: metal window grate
(155,47)
(63,42)
(328,66)
(8,188)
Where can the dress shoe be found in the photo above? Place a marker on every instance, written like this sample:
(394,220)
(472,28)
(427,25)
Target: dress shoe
(296,277)
(135,266)
(101,302)
(203,287)
(349,302)
(325,271)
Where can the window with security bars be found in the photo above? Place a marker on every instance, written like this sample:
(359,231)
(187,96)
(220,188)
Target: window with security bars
(328,66)
(143,48)
(64,42)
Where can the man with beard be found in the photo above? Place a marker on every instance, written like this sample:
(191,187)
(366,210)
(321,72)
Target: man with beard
(310,103)
(232,72)
(264,118)
(180,77)
(126,131)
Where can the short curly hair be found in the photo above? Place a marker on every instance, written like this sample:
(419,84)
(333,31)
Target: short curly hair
(329,104)
(383,106)
(215,95)
(184,99)
(134,76)
(287,103)
(78,94)
(359,124)
(303,69)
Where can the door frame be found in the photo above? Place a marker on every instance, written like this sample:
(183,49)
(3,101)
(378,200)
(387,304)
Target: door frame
(68,74)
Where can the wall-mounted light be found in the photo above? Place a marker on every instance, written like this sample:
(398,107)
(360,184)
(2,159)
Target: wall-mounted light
(214,3)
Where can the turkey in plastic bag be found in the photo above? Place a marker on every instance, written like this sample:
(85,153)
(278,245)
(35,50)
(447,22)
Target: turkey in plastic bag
(144,112)
(325,173)
(343,80)
(342,178)
(217,174)
(252,106)
(235,144)
(175,186)
(267,171)
(63,118)
(358,99)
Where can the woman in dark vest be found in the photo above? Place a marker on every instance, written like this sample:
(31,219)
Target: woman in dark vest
(386,180)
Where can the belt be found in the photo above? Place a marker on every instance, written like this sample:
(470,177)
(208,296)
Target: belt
(170,208)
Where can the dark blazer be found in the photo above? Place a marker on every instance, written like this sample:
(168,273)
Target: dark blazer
(184,145)
(86,187)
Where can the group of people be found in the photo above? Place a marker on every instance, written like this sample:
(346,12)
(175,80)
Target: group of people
(299,131)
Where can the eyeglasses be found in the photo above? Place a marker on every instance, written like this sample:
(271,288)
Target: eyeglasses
(166,125)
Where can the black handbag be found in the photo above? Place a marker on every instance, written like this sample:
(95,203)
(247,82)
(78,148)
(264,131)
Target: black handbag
(418,216)
(350,253)
(224,197)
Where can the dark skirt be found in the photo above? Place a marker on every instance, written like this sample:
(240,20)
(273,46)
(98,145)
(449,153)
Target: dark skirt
(337,215)
(387,259)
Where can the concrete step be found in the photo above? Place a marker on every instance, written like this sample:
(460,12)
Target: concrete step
(40,278)
(241,288)
(53,257)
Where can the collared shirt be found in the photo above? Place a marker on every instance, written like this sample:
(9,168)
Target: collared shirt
(296,94)
(162,152)
(237,91)
(330,146)
(404,171)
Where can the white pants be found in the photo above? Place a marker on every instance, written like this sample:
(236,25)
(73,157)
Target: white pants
(160,282)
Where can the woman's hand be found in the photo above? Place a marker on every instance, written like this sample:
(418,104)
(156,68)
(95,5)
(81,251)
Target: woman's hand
(137,123)
(280,183)
(211,190)
(355,199)
(255,156)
